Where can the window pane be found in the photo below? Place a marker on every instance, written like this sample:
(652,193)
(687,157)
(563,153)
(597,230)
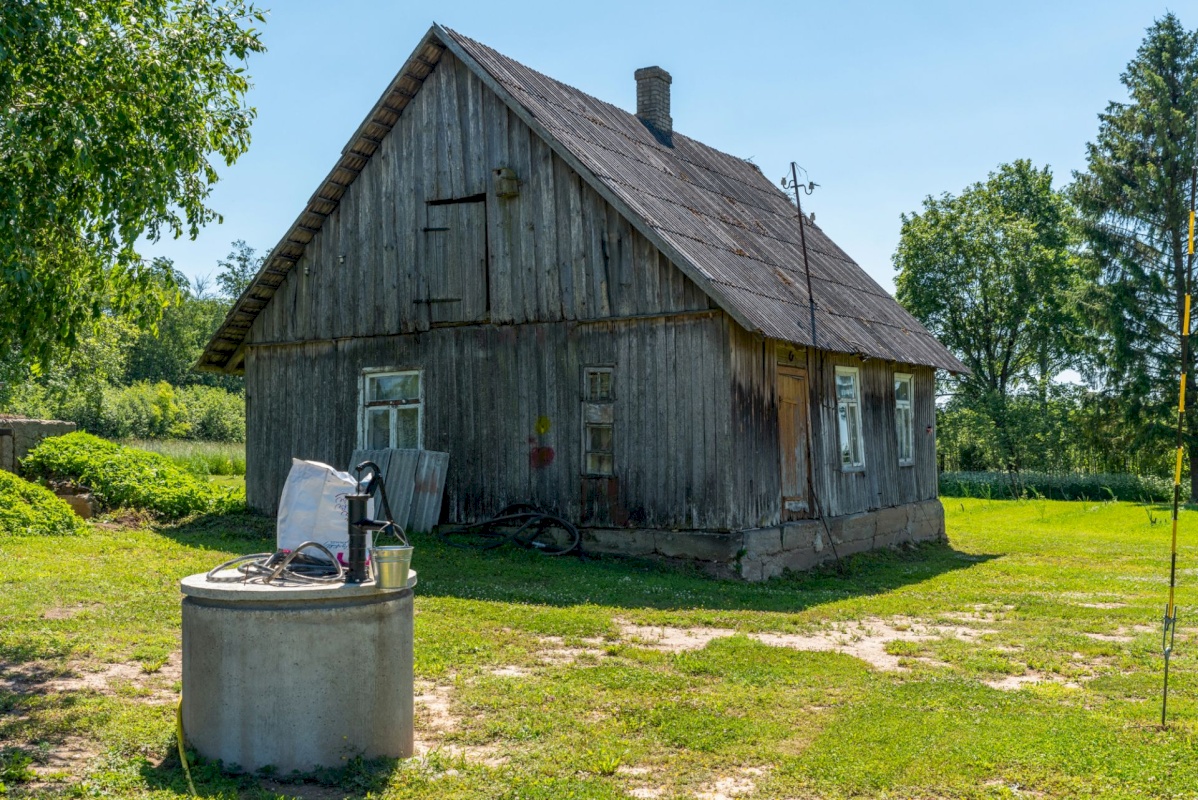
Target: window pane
(846,453)
(904,423)
(902,390)
(599,438)
(378,428)
(599,463)
(405,386)
(846,387)
(599,385)
(855,434)
(407,428)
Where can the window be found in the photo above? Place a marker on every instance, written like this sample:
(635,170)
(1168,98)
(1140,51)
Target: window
(904,418)
(392,410)
(597,418)
(848,412)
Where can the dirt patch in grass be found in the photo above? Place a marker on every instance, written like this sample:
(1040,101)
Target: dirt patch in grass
(743,782)
(130,679)
(867,640)
(1013,683)
(435,720)
(557,653)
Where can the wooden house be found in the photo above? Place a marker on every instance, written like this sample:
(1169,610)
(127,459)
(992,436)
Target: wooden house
(591,312)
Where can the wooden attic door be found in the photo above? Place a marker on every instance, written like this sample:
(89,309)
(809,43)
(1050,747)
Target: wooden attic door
(455,246)
(793,443)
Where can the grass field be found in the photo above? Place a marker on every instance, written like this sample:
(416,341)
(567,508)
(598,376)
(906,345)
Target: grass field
(202,458)
(1020,660)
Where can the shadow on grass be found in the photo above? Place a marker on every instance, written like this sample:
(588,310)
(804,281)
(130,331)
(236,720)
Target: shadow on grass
(519,576)
(515,575)
(360,777)
(240,532)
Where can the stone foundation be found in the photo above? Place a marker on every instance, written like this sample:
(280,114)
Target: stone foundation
(18,436)
(764,553)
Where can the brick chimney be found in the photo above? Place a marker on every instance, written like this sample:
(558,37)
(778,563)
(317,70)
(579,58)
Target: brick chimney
(653,100)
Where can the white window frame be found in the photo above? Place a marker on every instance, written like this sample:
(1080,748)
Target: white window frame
(858,463)
(598,413)
(909,406)
(385,372)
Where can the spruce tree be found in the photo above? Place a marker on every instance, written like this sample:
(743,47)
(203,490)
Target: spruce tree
(1134,200)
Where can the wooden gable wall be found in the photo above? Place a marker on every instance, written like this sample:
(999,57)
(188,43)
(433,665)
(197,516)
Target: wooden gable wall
(556,251)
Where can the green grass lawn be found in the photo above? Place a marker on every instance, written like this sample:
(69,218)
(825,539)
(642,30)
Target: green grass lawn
(1020,660)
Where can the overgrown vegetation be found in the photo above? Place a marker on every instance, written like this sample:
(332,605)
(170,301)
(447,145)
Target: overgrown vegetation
(1021,485)
(123,477)
(202,458)
(29,509)
(549,696)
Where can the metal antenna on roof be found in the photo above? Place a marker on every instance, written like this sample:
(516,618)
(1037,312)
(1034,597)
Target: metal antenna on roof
(807,188)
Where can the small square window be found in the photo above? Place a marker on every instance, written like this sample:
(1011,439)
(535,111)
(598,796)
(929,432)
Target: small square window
(391,410)
(598,385)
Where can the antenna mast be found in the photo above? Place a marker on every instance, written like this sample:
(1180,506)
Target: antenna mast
(798,189)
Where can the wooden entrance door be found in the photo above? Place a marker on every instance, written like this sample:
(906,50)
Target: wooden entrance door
(793,443)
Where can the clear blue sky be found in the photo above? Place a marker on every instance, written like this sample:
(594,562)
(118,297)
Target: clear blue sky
(883,103)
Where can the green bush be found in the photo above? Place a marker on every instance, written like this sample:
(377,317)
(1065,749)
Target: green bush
(124,477)
(213,414)
(1002,485)
(140,411)
(26,508)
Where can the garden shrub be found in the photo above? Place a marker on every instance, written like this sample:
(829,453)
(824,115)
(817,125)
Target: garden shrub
(1002,485)
(125,477)
(140,411)
(26,508)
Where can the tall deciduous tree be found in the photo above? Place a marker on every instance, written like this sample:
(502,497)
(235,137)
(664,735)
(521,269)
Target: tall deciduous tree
(1134,197)
(237,270)
(111,114)
(991,272)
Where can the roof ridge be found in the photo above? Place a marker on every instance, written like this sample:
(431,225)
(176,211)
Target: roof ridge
(672,152)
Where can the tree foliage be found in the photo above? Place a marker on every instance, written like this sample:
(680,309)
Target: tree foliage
(111,112)
(237,270)
(990,272)
(1134,197)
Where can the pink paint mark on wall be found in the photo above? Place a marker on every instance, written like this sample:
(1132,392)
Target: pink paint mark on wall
(541,457)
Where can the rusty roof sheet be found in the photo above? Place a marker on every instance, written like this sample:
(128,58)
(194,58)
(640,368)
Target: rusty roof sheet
(731,229)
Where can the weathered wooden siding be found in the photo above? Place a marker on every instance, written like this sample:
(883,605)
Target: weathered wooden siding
(882,484)
(557,251)
(487,387)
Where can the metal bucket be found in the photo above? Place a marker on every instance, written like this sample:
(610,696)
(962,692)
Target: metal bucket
(391,565)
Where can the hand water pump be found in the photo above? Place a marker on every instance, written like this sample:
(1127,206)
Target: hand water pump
(361,527)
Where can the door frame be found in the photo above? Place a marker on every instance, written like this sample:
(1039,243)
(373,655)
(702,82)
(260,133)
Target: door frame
(787,371)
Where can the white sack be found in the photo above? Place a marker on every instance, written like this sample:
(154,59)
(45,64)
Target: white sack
(313,508)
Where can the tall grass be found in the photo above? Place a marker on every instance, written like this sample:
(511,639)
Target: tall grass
(200,458)
(1002,486)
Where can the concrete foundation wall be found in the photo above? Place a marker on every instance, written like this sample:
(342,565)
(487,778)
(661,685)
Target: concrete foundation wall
(19,436)
(765,553)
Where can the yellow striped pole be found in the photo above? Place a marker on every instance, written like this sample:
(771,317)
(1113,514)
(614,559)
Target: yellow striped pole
(1170,621)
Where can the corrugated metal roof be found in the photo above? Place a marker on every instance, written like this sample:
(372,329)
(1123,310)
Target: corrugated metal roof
(717,215)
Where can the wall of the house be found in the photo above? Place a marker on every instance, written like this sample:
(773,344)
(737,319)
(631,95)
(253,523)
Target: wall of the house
(506,403)
(567,283)
(882,484)
(556,251)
